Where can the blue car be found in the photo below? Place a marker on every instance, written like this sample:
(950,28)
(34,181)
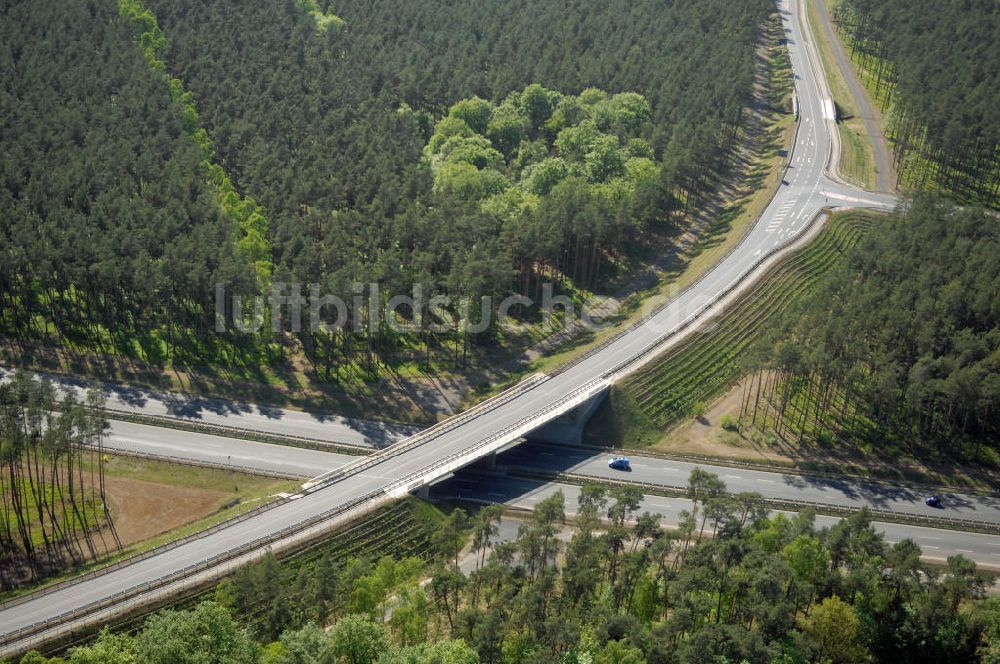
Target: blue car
(619,463)
(932,501)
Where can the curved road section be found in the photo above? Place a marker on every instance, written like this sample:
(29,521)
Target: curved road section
(883,164)
(436,452)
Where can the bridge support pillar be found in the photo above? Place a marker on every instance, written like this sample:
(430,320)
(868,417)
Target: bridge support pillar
(488,462)
(424,492)
(568,429)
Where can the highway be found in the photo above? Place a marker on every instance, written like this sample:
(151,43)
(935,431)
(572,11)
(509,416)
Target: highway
(448,446)
(206,411)
(215,450)
(936,545)
(530,456)
(839,492)
(519,492)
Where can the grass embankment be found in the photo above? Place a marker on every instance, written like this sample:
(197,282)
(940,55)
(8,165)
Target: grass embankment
(229,493)
(857,157)
(405,528)
(642,408)
(154,502)
(401,530)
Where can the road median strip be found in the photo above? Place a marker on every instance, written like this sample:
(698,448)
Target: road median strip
(671,491)
(167,422)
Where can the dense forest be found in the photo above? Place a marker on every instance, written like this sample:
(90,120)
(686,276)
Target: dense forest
(899,346)
(328,127)
(110,231)
(570,179)
(617,589)
(55,510)
(936,68)
(289,145)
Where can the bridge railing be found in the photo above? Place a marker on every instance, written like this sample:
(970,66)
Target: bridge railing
(256,545)
(511,432)
(354,467)
(424,436)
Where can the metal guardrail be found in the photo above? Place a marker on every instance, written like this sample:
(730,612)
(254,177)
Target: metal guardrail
(501,437)
(186,572)
(426,435)
(245,433)
(124,562)
(407,444)
(721,462)
(782,503)
(234,431)
(773,467)
(200,463)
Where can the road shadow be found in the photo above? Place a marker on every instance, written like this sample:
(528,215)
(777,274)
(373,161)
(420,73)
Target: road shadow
(193,407)
(889,497)
(379,434)
(475,485)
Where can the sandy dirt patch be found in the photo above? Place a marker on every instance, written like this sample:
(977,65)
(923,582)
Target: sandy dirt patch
(705,436)
(143,509)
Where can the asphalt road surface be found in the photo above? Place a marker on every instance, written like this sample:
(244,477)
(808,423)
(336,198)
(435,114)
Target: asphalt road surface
(807,191)
(883,163)
(936,545)
(234,414)
(217,450)
(848,493)
(306,463)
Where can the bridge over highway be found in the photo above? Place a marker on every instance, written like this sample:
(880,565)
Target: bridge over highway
(971,510)
(435,453)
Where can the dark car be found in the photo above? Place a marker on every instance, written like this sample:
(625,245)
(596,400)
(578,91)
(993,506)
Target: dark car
(932,501)
(619,463)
